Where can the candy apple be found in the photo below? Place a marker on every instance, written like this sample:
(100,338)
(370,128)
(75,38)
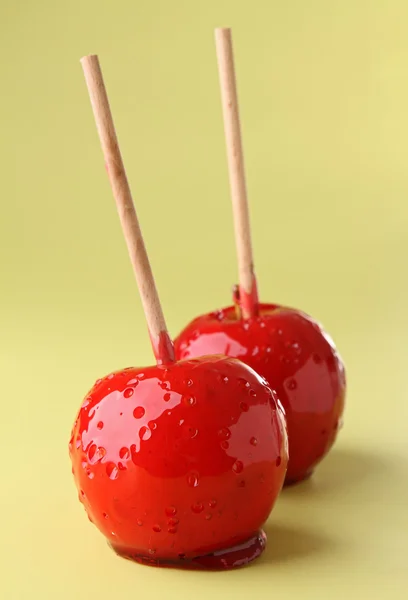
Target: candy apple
(285,346)
(181,463)
(299,360)
(178,463)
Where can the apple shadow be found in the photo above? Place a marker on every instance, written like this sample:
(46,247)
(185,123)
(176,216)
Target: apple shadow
(291,543)
(350,466)
(343,467)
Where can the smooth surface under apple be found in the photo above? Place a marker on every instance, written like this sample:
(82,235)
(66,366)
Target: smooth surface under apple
(181,464)
(299,361)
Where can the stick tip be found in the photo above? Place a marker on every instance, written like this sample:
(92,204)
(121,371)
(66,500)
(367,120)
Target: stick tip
(221,31)
(88,58)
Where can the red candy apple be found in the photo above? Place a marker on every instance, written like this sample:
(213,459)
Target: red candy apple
(292,352)
(181,461)
(178,463)
(287,347)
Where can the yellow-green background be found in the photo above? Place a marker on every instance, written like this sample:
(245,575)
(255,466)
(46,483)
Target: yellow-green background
(324,104)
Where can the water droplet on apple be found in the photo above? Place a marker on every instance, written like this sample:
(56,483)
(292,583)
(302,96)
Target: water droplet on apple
(208,516)
(189,382)
(133,382)
(90,474)
(225,379)
(193,479)
(212,503)
(198,507)
(238,466)
(156,528)
(124,453)
(128,392)
(190,432)
(218,314)
(173,522)
(145,433)
(292,385)
(252,393)
(166,397)
(152,551)
(244,406)
(91,451)
(190,400)
(139,522)
(225,445)
(243,382)
(99,425)
(224,433)
(96,455)
(253,441)
(139,412)
(111,376)
(112,470)
(78,443)
(171,511)
(152,425)
(172,529)
(105,515)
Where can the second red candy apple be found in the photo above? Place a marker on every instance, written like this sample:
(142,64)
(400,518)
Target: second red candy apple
(299,361)
(286,346)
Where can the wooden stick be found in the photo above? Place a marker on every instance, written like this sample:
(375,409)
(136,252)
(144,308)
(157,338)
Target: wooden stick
(247,281)
(161,342)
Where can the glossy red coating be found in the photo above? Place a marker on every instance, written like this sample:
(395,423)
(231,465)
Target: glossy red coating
(298,359)
(181,464)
